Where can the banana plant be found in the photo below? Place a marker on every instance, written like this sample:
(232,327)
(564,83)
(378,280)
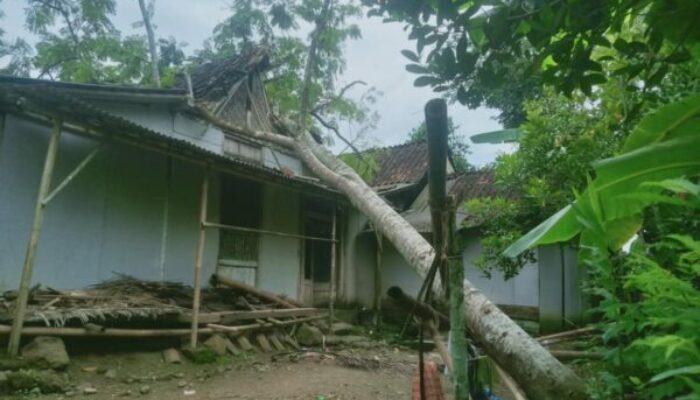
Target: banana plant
(665,145)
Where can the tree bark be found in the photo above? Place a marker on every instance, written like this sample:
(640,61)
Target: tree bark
(539,374)
(151,42)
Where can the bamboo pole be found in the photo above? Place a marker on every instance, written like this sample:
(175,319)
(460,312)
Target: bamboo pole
(72,175)
(261,325)
(509,383)
(198,258)
(378,281)
(108,332)
(265,232)
(240,286)
(331,303)
(28,268)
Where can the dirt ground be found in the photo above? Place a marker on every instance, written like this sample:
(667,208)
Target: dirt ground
(378,373)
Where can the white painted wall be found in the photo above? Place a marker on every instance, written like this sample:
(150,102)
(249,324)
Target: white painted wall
(109,219)
(520,290)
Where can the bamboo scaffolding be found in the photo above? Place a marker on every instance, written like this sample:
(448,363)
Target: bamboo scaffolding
(72,174)
(108,332)
(265,232)
(262,325)
(224,317)
(331,303)
(198,258)
(28,268)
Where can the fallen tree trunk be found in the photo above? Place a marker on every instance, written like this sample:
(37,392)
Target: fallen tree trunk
(242,287)
(540,374)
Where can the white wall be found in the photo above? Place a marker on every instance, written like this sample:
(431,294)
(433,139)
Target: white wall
(108,219)
(521,290)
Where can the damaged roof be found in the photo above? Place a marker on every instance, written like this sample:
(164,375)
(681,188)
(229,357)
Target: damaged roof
(471,185)
(401,164)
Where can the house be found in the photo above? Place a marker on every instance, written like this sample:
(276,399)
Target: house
(144,178)
(127,187)
(546,291)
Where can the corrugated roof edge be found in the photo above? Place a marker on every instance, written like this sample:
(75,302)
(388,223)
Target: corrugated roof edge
(95,87)
(77,108)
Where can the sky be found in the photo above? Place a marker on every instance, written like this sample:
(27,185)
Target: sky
(374,59)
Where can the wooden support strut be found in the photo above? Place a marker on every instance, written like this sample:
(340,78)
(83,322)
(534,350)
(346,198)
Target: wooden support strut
(28,268)
(198,258)
(331,302)
(72,175)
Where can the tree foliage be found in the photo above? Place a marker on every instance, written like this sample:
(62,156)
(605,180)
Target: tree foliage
(279,25)
(501,52)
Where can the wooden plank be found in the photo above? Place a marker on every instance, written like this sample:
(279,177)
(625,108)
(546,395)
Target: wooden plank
(224,317)
(291,341)
(232,348)
(263,342)
(244,343)
(261,294)
(272,337)
(108,332)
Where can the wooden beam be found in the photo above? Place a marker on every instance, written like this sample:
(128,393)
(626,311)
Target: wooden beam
(72,174)
(108,332)
(28,268)
(242,287)
(261,325)
(198,257)
(264,232)
(331,303)
(225,317)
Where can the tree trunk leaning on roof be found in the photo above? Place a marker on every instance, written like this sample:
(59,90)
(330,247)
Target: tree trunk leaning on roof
(540,375)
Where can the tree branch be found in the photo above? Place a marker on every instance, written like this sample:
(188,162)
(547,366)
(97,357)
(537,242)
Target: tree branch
(321,23)
(339,96)
(334,128)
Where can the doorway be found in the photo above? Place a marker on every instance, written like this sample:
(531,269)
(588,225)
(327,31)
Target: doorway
(316,282)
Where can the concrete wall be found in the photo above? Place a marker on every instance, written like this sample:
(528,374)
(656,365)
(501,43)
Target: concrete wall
(109,219)
(279,263)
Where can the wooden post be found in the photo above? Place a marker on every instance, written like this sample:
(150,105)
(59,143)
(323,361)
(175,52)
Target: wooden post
(28,269)
(198,258)
(331,305)
(378,282)
(446,247)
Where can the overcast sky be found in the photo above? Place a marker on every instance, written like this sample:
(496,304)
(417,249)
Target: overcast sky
(375,59)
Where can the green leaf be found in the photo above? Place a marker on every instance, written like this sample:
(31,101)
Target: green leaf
(411,55)
(560,227)
(417,69)
(425,81)
(661,124)
(495,137)
(625,174)
(689,370)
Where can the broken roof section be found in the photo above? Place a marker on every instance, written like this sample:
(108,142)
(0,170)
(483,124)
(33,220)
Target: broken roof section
(101,109)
